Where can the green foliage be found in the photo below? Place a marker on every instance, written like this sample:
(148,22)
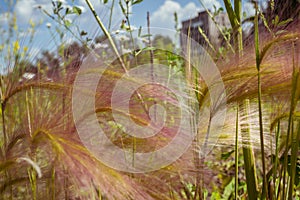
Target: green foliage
(77,10)
(163,42)
(43,158)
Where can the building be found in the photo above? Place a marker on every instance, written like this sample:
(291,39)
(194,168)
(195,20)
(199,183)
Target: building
(208,26)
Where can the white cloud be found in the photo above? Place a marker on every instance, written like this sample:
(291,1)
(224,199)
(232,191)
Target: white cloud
(165,12)
(24,10)
(27,10)
(164,16)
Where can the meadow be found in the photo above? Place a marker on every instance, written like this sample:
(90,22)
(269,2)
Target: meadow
(139,117)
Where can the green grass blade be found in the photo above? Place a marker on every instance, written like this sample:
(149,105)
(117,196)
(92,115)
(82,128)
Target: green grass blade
(276,158)
(236,185)
(295,138)
(107,34)
(231,14)
(294,153)
(238,32)
(257,53)
(293,104)
(249,160)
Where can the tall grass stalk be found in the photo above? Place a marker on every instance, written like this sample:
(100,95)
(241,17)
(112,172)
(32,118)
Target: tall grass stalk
(238,32)
(249,161)
(106,33)
(198,159)
(275,167)
(3,128)
(293,104)
(111,14)
(239,47)
(290,133)
(295,135)
(2,97)
(258,67)
(294,154)
(128,22)
(206,39)
(52,183)
(33,183)
(111,41)
(236,156)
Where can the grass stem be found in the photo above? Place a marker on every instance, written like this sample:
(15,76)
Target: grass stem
(236,185)
(261,130)
(106,33)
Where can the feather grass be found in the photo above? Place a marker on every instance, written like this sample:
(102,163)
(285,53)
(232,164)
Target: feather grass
(35,132)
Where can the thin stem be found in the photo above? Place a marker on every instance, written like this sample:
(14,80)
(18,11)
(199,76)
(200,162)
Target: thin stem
(52,183)
(107,34)
(249,159)
(129,25)
(3,118)
(150,45)
(276,158)
(262,136)
(238,32)
(295,137)
(236,185)
(151,56)
(231,14)
(111,14)
(295,77)
(294,151)
(3,128)
(265,188)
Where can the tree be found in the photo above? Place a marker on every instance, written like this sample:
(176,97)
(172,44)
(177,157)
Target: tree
(163,42)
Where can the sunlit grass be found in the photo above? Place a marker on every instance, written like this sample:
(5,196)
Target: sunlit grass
(255,157)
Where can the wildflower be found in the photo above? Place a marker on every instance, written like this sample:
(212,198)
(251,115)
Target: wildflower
(122,38)
(48,25)
(28,75)
(125,51)
(99,45)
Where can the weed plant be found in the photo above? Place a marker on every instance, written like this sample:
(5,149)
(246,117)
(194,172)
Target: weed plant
(256,155)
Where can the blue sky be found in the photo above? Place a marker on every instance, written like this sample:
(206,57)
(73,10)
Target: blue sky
(161,14)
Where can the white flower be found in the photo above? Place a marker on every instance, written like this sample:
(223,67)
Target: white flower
(124,51)
(100,45)
(145,40)
(116,32)
(48,25)
(28,76)
(122,38)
